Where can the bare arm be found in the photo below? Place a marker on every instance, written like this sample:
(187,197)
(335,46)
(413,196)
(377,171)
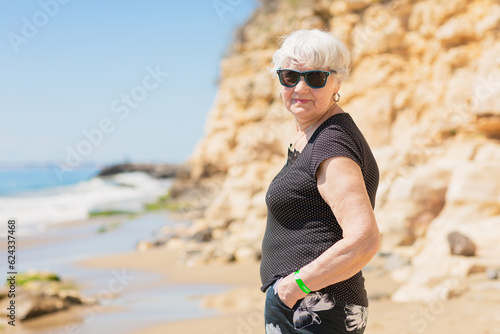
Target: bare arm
(341,185)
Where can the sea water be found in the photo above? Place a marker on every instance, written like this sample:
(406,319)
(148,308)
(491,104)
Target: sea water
(36,197)
(28,178)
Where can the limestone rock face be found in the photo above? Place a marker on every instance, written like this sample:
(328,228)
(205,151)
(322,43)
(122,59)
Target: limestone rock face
(425,91)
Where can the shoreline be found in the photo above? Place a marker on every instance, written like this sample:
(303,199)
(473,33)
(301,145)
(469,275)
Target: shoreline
(231,311)
(155,268)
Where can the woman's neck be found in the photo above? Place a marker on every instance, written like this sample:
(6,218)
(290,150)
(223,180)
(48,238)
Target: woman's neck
(309,126)
(303,127)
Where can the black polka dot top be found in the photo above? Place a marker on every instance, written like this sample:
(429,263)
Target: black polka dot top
(300,224)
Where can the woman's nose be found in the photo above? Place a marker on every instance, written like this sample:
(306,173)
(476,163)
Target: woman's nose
(301,85)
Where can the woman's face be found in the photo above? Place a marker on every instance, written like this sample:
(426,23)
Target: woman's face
(306,103)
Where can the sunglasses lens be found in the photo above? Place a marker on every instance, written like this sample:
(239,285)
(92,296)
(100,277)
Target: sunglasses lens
(289,78)
(316,79)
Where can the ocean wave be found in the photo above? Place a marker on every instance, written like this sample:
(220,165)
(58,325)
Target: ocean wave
(123,192)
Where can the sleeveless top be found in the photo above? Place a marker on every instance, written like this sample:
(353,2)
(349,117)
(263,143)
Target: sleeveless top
(300,224)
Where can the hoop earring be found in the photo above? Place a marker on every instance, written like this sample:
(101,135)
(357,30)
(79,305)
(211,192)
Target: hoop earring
(336,97)
(281,96)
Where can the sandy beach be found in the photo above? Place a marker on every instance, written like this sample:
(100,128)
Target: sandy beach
(235,305)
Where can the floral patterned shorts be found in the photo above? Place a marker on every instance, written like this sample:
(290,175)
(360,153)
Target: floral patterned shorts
(317,313)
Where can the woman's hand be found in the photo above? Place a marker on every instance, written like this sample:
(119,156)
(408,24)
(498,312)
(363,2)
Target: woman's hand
(289,292)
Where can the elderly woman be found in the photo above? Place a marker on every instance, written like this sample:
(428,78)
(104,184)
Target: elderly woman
(321,230)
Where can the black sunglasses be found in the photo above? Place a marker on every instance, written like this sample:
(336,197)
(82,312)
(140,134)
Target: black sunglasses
(314,79)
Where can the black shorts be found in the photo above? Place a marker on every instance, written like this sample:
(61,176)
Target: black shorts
(317,313)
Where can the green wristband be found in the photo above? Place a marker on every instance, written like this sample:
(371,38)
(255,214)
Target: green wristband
(301,284)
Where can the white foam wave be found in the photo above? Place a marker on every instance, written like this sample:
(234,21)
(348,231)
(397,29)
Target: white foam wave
(125,192)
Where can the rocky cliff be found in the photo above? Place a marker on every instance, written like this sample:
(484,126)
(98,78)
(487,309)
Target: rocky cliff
(424,89)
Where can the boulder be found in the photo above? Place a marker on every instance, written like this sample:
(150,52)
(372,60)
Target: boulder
(461,244)
(154,170)
(41,293)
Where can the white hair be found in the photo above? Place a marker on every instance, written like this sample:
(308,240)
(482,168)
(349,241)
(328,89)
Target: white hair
(312,48)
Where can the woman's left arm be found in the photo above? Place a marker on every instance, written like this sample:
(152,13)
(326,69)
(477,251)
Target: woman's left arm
(340,183)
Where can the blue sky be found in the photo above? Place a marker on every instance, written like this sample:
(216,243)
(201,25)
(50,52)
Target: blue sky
(103,81)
